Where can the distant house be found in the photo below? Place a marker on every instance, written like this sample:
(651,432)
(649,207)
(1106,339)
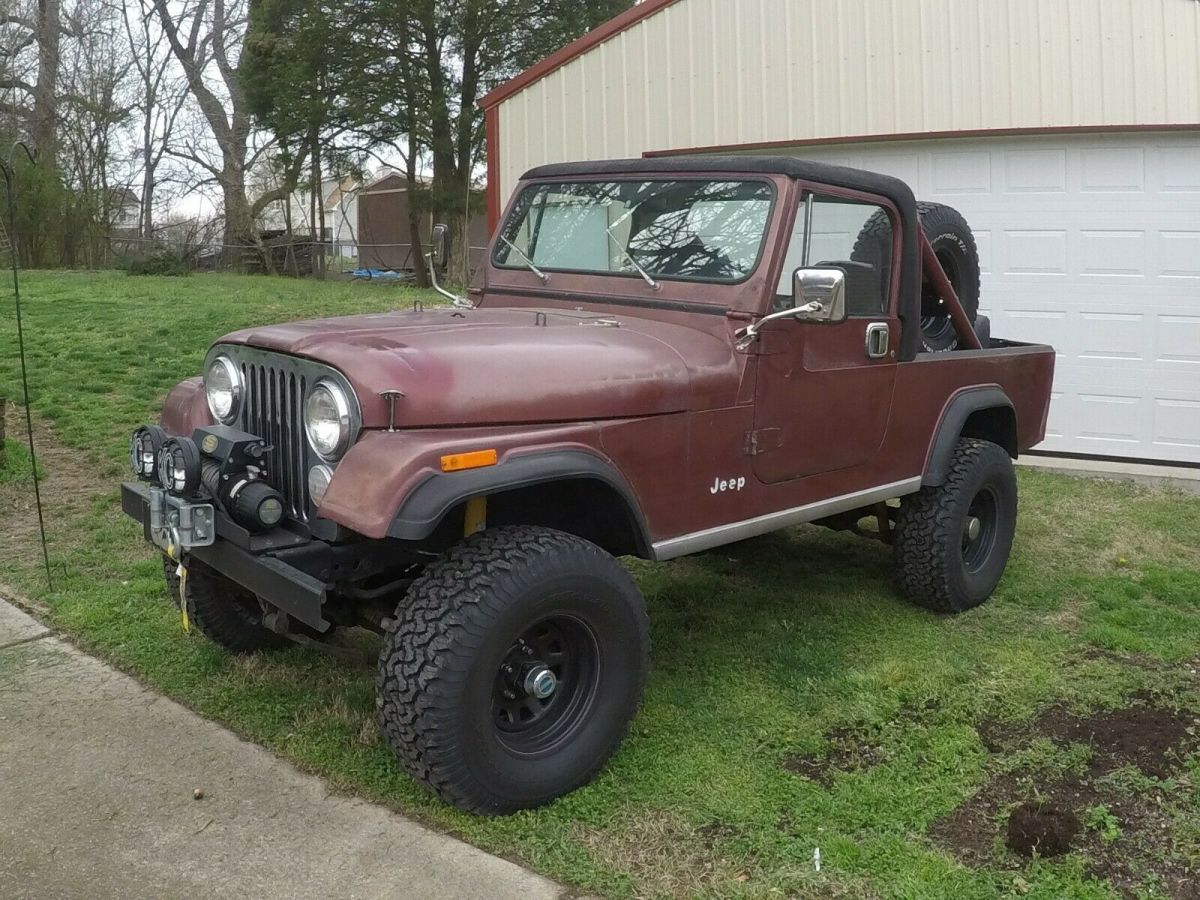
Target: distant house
(339,198)
(125,211)
(383,232)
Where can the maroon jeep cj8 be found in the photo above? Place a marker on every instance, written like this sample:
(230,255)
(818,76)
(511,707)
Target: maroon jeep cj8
(659,358)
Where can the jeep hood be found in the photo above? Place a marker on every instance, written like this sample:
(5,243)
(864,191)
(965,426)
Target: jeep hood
(510,365)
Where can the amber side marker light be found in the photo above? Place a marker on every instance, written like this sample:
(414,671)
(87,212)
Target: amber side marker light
(477,459)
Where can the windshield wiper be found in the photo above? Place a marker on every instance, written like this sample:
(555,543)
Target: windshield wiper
(633,262)
(528,262)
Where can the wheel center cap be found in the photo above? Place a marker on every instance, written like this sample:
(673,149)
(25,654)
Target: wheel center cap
(974,528)
(540,682)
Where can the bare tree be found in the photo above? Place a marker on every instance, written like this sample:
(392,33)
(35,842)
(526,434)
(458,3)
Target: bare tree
(206,36)
(161,96)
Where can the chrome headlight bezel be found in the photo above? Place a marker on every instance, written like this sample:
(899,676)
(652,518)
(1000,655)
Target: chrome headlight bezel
(341,415)
(225,365)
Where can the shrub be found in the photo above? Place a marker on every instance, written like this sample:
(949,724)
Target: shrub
(161,262)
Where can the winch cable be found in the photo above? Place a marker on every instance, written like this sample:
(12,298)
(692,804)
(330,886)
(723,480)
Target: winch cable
(6,171)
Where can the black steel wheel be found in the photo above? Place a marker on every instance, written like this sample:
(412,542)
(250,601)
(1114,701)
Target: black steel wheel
(952,541)
(513,668)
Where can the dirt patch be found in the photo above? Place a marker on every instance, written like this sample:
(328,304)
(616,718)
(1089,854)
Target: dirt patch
(1040,828)
(1119,811)
(1144,735)
(68,486)
(849,751)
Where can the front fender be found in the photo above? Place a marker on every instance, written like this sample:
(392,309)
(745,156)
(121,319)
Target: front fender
(391,484)
(186,408)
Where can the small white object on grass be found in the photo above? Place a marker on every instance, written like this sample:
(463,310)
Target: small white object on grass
(817,858)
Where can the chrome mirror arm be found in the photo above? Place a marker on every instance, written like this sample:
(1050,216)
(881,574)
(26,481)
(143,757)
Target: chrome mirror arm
(459,302)
(749,334)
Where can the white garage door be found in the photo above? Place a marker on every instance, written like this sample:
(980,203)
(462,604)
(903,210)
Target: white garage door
(1092,244)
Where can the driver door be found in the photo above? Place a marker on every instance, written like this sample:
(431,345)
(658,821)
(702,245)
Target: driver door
(824,390)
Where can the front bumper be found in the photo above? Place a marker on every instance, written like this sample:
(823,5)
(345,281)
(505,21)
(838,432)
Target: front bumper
(251,560)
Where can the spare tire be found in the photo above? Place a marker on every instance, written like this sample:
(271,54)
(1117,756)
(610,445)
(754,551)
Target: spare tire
(954,245)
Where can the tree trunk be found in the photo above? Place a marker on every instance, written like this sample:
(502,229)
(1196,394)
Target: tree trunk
(146,226)
(44,123)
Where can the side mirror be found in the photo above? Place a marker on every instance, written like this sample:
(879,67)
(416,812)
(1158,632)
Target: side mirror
(819,295)
(439,251)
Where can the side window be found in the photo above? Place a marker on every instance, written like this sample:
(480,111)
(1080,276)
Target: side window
(850,235)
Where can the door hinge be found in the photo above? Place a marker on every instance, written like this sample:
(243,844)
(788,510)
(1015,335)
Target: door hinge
(763,440)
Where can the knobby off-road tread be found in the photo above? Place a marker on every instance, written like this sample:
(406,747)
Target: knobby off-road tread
(928,538)
(214,610)
(442,621)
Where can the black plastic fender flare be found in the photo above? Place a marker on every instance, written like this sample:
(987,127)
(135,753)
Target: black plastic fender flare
(960,408)
(425,507)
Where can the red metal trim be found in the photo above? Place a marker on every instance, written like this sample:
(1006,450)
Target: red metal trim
(937,277)
(575,49)
(491,127)
(924,136)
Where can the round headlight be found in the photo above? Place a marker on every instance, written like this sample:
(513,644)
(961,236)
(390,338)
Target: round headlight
(144,449)
(327,420)
(318,483)
(223,384)
(179,466)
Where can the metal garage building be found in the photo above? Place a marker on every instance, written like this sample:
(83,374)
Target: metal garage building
(1068,132)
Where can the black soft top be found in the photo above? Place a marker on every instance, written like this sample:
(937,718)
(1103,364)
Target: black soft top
(823,173)
(805,170)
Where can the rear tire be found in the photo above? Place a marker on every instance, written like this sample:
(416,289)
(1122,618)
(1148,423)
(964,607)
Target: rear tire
(952,542)
(453,696)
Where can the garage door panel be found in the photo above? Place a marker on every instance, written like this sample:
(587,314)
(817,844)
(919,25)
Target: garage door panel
(1090,243)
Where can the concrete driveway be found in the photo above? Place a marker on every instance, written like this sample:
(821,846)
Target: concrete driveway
(96,781)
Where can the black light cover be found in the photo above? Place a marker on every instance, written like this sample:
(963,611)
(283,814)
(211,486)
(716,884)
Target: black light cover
(144,449)
(179,466)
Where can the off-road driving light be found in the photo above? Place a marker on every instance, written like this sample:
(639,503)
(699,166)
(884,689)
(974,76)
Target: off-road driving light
(179,466)
(318,483)
(327,420)
(256,506)
(144,449)
(223,384)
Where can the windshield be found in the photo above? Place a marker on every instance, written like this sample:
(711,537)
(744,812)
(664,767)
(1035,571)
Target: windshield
(695,230)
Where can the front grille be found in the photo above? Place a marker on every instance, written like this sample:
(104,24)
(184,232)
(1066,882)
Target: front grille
(273,409)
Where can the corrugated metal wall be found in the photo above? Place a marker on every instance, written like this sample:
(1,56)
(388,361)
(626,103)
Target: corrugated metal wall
(716,72)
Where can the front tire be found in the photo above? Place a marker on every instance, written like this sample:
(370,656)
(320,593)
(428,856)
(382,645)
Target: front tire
(513,669)
(952,541)
(224,612)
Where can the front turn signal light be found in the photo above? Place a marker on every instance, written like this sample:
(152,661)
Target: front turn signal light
(476,459)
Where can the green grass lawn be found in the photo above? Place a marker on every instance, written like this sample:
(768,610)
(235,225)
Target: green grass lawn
(794,703)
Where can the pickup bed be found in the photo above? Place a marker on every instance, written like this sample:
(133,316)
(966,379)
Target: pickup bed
(658,358)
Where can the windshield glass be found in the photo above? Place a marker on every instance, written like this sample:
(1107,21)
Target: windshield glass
(697,230)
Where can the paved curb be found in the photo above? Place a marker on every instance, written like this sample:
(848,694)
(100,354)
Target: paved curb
(96,786)
(1175,477)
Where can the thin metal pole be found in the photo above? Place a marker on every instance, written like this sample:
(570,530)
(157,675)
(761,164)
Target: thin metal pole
(12,242)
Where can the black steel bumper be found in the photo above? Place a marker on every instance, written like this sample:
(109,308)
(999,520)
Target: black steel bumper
(249,560)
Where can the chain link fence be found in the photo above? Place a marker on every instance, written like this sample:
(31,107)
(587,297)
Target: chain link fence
(278,253)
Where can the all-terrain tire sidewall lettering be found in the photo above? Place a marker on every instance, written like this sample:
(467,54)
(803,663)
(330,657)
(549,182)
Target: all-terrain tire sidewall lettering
(451,634)
(929,561)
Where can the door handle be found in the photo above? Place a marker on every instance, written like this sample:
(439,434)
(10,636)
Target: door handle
(878,340)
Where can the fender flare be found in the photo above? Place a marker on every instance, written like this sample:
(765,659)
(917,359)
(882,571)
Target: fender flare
(960,408)
(425,507)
